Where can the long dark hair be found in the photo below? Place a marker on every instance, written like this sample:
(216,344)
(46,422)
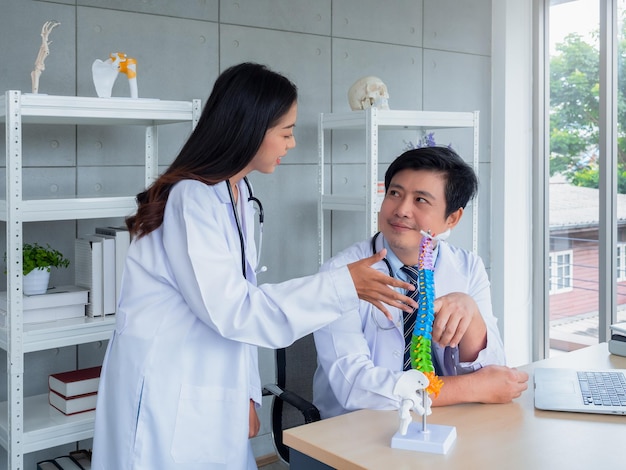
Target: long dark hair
(246,100)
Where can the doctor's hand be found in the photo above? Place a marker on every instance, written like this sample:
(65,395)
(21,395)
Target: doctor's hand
(458,322)
(497,384)
(255,424)
(377,288)
(491,384)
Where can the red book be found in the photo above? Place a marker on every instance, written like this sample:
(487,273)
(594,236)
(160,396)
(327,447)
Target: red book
(70,406)
(75,382)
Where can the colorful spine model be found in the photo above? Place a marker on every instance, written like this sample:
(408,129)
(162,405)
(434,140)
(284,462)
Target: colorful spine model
(421,358)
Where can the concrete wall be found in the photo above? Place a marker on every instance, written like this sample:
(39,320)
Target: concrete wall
(432,54)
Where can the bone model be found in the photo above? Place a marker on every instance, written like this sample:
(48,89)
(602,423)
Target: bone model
(105,73)
(44,51)
(421,358)
(368,92)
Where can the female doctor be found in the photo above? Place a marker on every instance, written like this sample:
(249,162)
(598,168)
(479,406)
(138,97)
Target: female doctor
(180,381)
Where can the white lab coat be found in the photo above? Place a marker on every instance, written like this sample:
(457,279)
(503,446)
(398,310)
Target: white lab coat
(181,366)
(359,363)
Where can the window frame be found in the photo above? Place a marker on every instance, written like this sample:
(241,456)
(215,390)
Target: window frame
(555,268)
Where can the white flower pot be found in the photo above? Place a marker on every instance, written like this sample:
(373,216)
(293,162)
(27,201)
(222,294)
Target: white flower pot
(36,281)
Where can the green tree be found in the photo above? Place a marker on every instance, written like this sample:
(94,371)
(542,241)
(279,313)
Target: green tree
(574,109)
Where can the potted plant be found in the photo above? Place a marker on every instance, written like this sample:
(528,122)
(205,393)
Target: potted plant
(36,263)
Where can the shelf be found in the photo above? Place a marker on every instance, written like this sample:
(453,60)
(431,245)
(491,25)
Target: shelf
(61,333)
(31,424)
(74,208)
(348,203)
(45,427)
(398,119)
(53,109)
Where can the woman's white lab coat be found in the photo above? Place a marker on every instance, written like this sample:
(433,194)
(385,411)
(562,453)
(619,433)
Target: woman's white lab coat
(181,366)
(359,362)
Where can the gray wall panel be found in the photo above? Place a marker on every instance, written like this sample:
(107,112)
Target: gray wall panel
(458,26)
(445,89)
(94,181)
(289,197)
(397,22)
(302,16)
(197,9)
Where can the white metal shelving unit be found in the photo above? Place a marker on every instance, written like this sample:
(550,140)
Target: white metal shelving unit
(371,121)
(29,424)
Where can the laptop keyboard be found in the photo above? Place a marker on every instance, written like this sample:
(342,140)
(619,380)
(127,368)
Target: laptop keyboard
(603,388)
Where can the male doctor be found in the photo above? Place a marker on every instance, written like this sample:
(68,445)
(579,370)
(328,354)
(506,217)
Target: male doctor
(361,355)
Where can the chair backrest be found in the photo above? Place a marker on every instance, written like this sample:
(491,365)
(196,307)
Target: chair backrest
(295,366)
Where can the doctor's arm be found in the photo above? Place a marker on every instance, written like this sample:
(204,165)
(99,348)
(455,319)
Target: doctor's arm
(458,322)
(255,392)
(345,359)
(464,318)
(491,384)
(254,424)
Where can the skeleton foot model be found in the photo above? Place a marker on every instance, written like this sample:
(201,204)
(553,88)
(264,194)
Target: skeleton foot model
(44,51)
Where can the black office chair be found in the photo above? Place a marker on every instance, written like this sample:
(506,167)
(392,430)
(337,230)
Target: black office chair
(293,390)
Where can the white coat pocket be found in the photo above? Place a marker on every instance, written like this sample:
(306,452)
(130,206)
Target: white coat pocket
(206,425)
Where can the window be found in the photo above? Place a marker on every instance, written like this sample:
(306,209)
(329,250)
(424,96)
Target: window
(586,161)
(561,272)
(621,262)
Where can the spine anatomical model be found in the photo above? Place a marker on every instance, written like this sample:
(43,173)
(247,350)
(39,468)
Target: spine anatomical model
(421,358)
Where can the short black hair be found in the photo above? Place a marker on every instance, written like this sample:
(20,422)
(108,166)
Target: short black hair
(460,178)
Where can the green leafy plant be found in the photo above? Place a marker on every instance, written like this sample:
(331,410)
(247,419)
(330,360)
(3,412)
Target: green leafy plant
(36,256)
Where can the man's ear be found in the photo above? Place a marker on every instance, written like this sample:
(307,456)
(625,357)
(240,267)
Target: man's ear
(454,218)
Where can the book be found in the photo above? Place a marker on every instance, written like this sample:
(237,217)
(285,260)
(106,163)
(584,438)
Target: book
(56,304)
(48,465)
(73,405)
(108,273)
(88,272)
(75,382)
(77,460)
(122,242)
(83,457)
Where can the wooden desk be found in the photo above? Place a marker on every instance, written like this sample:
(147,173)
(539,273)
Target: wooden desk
(511,436)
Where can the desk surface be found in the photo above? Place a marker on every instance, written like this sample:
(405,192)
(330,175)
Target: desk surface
(511,436)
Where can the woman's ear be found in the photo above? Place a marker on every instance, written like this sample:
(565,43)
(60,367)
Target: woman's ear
(454,218)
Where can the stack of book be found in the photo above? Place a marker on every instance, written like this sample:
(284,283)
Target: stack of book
(75,391)
(57,303)
(99,264)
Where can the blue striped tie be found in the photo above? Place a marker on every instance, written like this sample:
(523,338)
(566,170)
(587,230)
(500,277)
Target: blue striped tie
(409,318)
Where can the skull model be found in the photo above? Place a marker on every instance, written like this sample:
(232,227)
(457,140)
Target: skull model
(368,92)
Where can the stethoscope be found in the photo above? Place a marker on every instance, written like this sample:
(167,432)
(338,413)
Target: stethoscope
(398,323)
(242,243)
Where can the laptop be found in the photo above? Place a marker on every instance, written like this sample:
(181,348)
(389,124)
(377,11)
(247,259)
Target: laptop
(581,391)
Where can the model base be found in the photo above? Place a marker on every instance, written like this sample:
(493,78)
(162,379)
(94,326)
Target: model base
(436,439)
